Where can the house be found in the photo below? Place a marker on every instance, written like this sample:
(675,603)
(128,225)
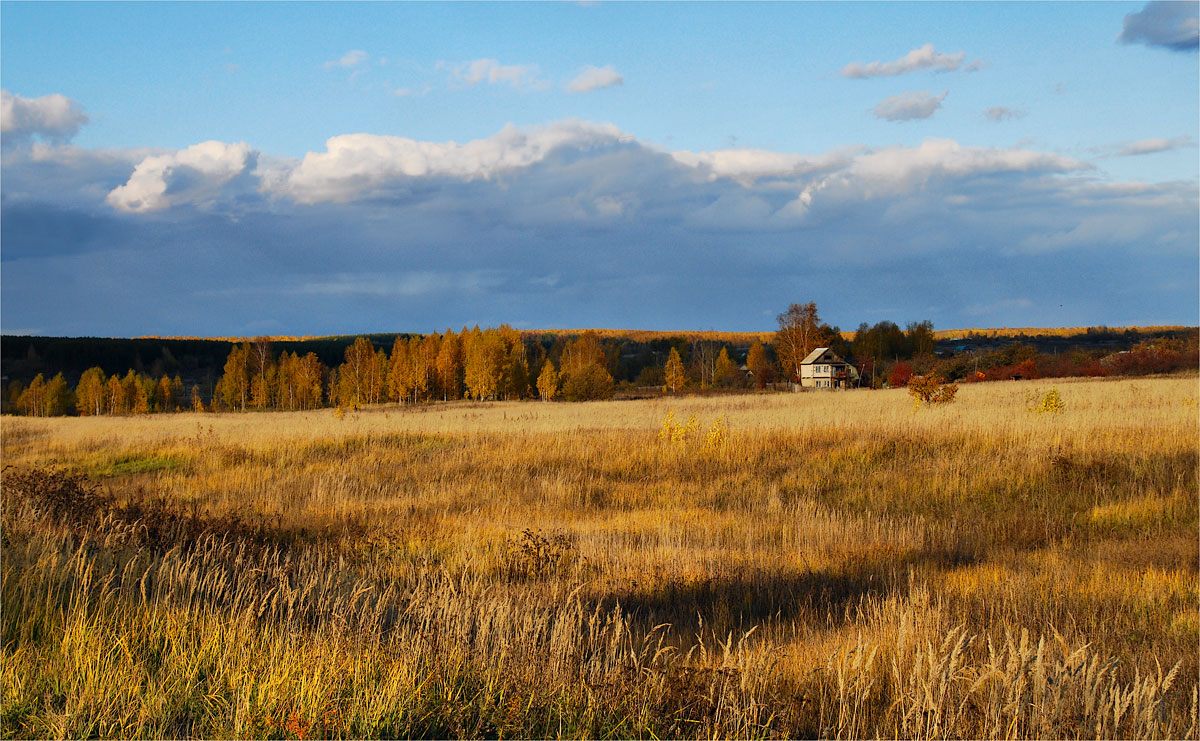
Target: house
(824,369)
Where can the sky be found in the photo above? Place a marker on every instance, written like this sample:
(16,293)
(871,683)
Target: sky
(222,169)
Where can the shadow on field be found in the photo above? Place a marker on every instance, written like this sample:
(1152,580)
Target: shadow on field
(816,598)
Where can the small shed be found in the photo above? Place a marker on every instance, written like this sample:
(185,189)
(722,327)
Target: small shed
(825,369)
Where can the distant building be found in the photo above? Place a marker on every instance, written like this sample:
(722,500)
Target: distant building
(824,369)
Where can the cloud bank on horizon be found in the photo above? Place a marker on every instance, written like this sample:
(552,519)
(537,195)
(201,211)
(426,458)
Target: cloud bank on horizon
(544,221)
(581,222)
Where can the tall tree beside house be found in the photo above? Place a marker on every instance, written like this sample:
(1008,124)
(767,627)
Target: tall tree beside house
(877,345)
(759,365)
(800,333)
(920,338)
(547,382)
(675,375)
(90,393)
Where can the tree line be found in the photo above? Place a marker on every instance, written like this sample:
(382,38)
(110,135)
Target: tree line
(504,364)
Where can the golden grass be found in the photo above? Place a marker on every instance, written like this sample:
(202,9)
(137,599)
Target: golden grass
(830,564)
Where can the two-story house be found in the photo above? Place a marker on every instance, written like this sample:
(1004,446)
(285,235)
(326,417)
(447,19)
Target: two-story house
(825,369)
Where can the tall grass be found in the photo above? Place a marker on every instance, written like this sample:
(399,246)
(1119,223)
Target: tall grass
(832,565)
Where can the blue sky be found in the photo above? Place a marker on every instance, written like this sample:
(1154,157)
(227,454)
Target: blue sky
(240,168)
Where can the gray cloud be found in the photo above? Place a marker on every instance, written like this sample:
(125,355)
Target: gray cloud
(1170,25)
(909,105)
(921,58)
(1000,113)
(1150,146)
(51,117)
(578,224)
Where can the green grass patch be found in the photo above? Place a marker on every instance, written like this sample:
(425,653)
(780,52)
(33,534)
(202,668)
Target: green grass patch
(132,463)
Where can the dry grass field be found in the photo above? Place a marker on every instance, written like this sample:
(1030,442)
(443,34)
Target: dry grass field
(789,565)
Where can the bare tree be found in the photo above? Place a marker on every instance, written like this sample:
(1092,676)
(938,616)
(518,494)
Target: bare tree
(799,334)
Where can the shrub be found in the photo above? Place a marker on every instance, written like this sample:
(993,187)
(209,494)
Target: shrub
(931,389)
(591,382)
(1051,403)
(900,374)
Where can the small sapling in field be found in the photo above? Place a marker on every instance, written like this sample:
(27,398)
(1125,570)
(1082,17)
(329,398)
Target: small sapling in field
(930,389)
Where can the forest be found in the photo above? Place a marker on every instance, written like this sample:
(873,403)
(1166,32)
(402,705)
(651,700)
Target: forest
(49,376)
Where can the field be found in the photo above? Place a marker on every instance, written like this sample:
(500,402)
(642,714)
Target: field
(786,565)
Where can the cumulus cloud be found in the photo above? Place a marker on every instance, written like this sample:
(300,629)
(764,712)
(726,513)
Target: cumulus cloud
(358,165)
(749,165)
(1000,113)
(909,105)
(595,78)
(352,58)
(922,58)
(494,73)
(948,157)
(194,175)
(54,117)
(1150,146)
(545,224)
(1170,25)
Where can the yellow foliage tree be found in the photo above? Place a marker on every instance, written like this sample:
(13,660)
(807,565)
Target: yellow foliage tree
(675,375)
(547,383)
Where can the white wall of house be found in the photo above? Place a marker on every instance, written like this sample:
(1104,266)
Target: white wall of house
(817,375)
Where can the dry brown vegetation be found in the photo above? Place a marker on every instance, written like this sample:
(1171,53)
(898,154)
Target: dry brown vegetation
(818,564)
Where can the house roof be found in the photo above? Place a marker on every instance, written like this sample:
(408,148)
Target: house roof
(812,356)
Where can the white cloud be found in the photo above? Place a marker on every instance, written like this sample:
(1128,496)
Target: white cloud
(922,58)
(193,175)
(354,165)
(1000,113)
(1171,25)
(55,117)
(948,157)
(1150,146)
(748,165)
(352,58)
(595,78)
(909,105)
(360,167)
(494,73)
